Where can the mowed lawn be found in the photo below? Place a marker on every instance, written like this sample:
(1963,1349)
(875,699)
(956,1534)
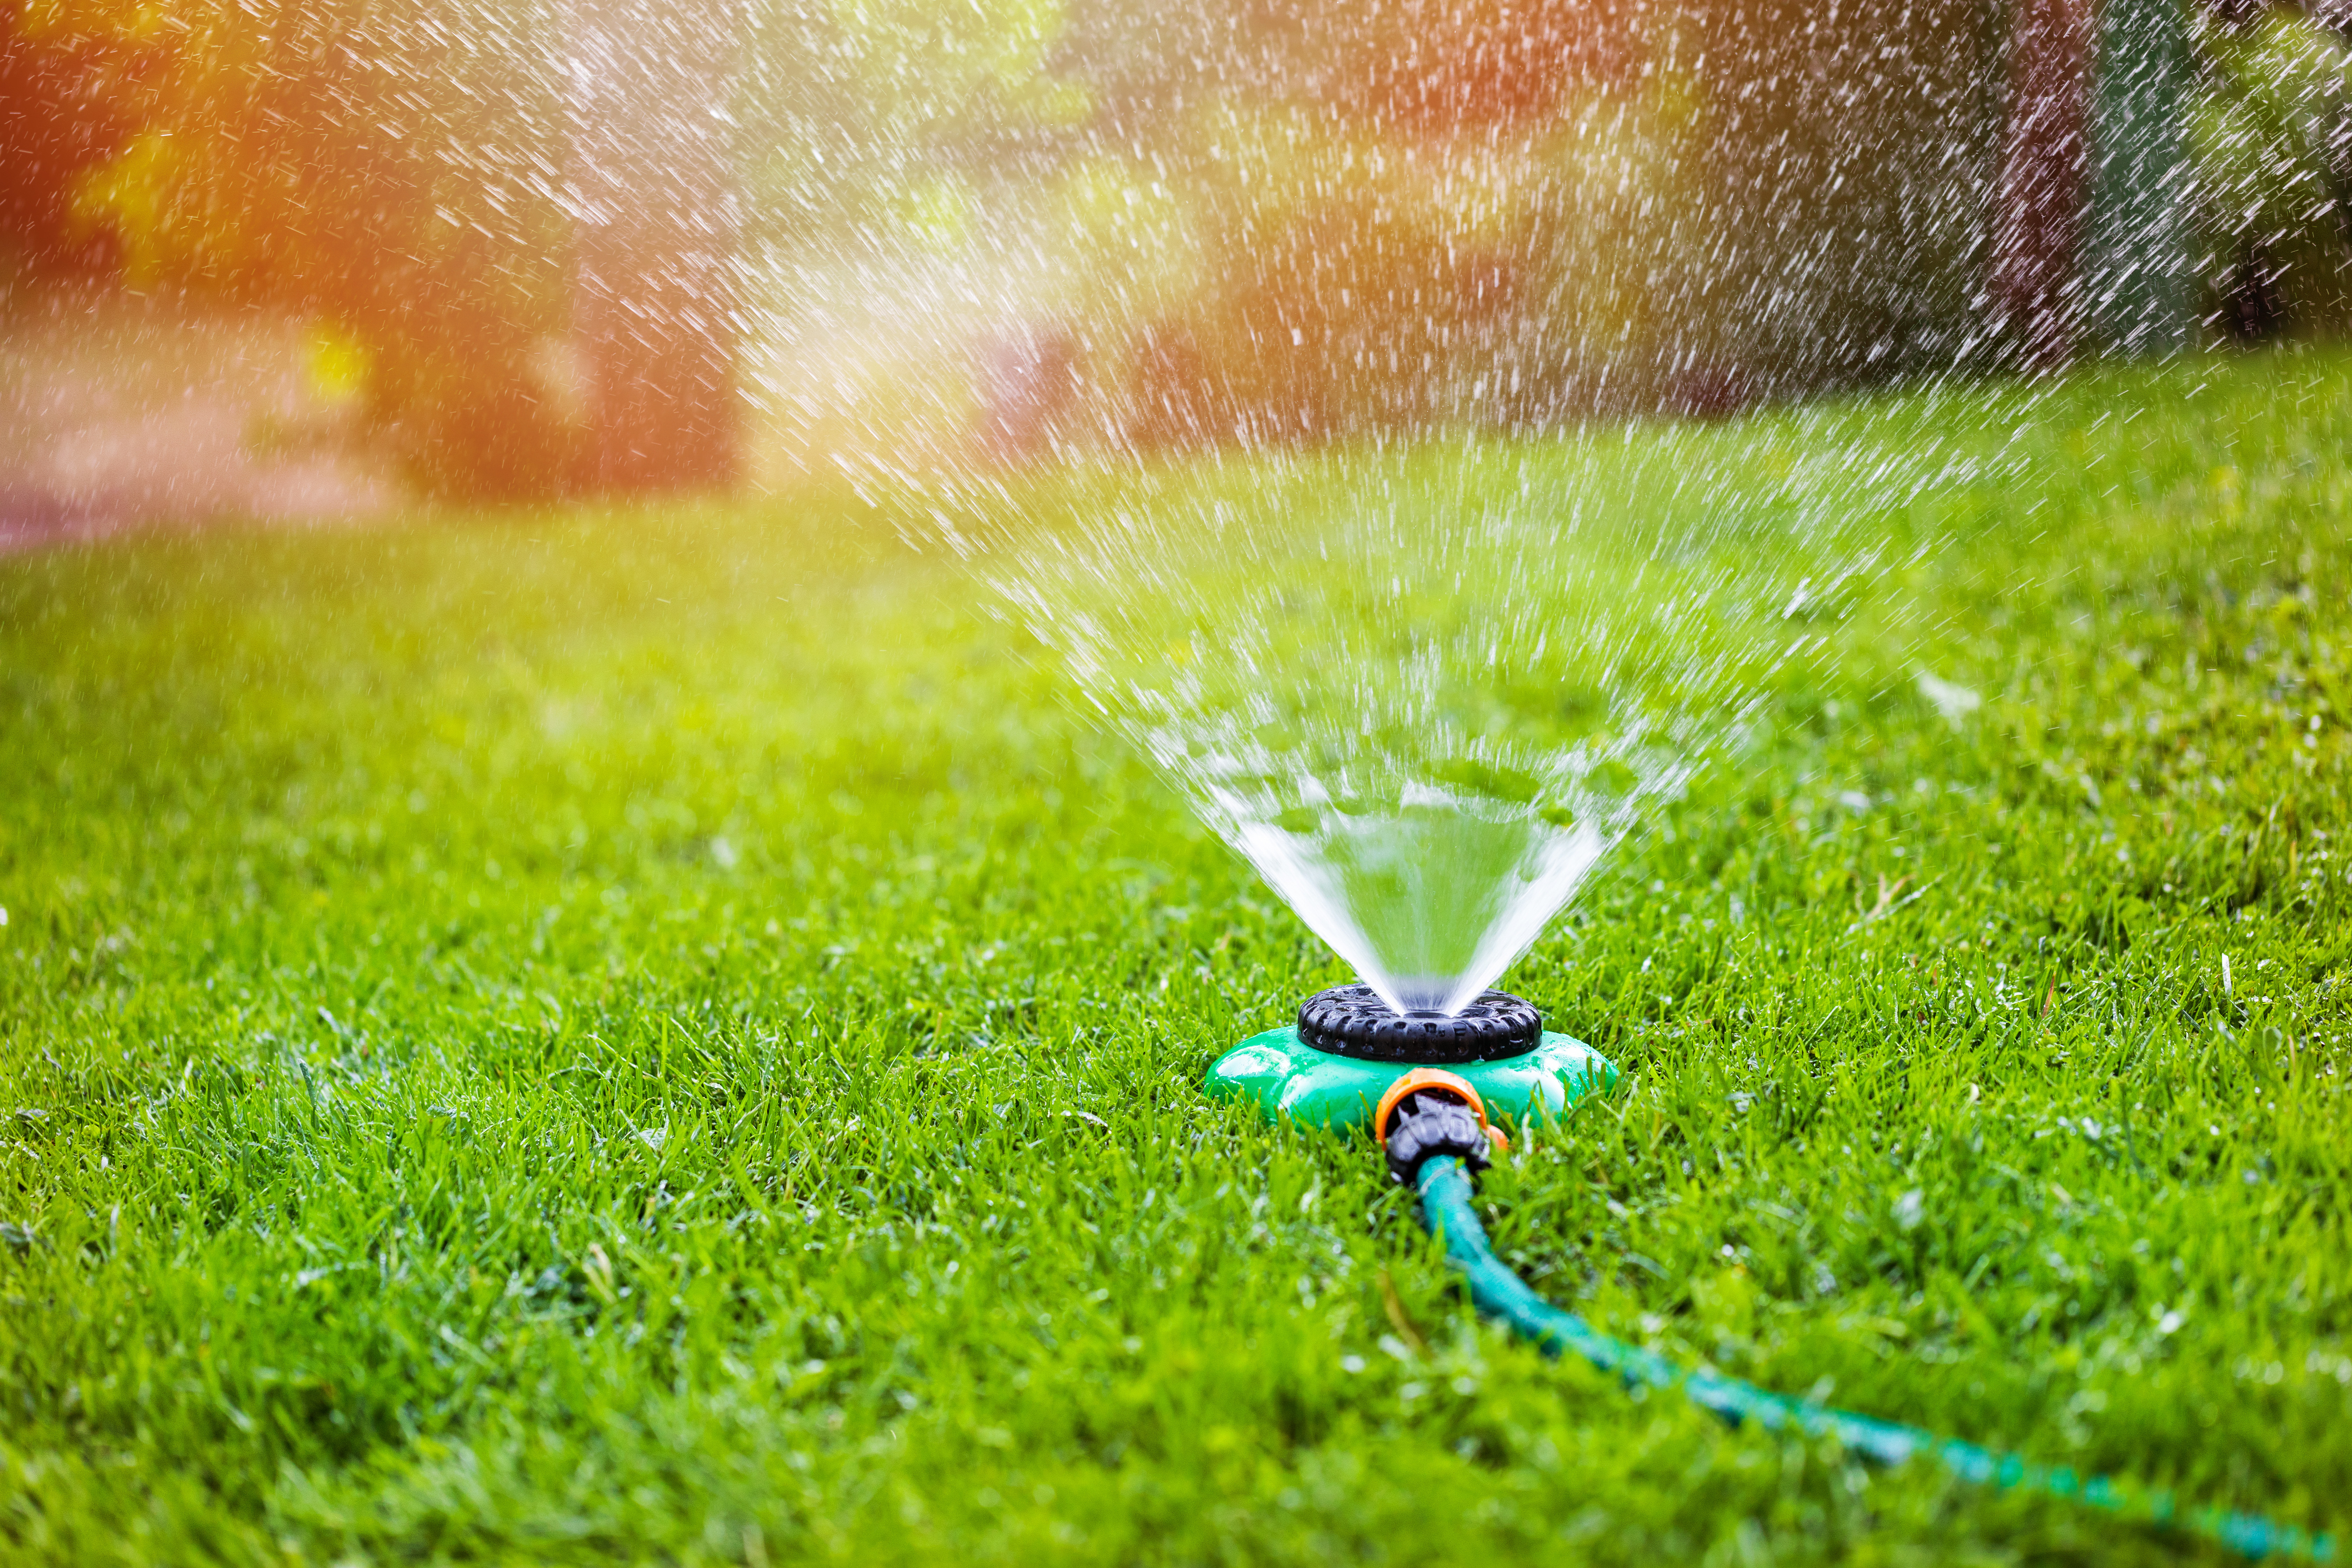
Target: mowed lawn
(661,1034)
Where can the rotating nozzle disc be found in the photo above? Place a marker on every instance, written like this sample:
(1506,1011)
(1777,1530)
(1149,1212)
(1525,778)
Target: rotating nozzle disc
(1353,1021)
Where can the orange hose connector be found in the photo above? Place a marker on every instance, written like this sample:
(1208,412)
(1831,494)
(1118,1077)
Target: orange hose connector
(1444,1082)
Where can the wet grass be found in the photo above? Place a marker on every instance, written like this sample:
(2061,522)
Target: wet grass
(657,1035)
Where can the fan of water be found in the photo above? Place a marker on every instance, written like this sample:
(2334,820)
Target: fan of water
(1424,693)
(1423,687)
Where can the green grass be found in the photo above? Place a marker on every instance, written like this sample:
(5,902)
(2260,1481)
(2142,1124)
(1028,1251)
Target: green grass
(659,1035)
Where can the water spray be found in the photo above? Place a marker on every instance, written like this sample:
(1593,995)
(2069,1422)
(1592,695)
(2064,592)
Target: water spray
(1428,1086)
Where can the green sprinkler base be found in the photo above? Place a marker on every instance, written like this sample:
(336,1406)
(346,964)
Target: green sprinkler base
(1284,1077)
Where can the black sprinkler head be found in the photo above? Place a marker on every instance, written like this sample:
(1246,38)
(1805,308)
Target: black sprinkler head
(1352,1021)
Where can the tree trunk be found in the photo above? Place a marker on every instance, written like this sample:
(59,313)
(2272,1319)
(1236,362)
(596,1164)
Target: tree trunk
(57,121)
(653,287)
(2038,219)
(2141,292)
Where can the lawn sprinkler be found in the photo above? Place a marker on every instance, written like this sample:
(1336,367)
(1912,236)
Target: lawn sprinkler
(1334,1068)
(1427,1087)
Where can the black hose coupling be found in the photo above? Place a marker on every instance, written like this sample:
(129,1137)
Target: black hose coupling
(1428,1122)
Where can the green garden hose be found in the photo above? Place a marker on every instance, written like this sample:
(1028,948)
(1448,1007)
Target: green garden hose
(1445,1184)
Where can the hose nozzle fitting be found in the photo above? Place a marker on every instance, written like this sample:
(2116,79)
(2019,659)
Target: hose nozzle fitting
(1429,1113)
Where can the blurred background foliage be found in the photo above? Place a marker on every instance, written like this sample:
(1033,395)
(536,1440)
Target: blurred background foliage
(392,168)
(1174,223)
(2271,136)
(1028,224)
